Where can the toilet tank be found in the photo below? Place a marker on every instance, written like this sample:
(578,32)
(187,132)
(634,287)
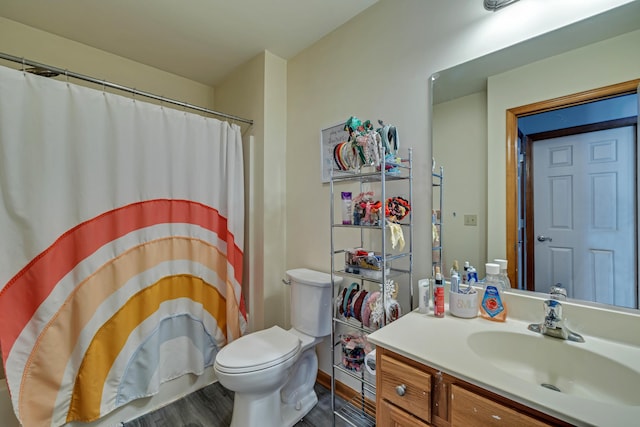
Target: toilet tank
(311,306)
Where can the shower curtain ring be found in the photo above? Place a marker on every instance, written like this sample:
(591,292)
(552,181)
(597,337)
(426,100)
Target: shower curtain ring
(24,67)
(66,75)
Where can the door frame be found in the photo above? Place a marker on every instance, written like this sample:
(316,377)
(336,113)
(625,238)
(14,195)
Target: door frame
(512,115)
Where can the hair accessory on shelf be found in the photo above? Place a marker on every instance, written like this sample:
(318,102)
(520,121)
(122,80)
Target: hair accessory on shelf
(397,236)
(369,307)
(366,211)
(347,297)
(391,307)
(354,348)
(389,136)
(365,146)
(356,305)
(396,208)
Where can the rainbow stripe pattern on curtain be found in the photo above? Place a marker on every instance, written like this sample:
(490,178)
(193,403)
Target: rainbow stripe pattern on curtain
(122,246)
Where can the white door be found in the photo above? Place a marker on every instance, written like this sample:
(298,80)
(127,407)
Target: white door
(584,208)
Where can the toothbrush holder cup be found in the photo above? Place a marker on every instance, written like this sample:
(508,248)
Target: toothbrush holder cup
(463,305)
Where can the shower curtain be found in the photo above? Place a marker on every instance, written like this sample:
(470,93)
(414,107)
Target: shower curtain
(122,246)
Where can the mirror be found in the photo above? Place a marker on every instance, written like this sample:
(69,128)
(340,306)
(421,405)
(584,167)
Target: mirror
(469,114)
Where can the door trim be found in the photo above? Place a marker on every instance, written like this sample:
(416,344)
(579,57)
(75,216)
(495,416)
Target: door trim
(513,114)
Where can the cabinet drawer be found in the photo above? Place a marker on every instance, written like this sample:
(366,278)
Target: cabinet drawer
(391,415)
(472,410)
(398,377)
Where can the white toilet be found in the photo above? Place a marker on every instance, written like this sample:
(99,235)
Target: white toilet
(273,371)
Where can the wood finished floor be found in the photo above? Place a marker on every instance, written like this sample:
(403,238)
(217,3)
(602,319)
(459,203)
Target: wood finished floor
(212,407)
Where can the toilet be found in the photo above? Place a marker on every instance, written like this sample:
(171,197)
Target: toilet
(273,371)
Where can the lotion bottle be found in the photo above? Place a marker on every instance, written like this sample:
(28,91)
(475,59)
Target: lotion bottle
(424,287)
(492,304)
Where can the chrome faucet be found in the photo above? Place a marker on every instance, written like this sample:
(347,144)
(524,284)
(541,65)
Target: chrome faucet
(553,324)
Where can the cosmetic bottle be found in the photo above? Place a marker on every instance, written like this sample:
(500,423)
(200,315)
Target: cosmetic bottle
(464,271)
(423,295)
(455,282)
(346,207)
(454,276)
(438,295)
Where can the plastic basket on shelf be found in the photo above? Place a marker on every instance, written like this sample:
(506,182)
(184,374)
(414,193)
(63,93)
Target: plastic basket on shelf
(354,348)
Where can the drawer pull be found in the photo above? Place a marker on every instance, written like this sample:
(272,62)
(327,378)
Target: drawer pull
(401,389)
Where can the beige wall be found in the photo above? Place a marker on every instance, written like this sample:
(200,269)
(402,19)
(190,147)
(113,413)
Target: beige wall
(26,42)
(611,61)
(242,94)
(276,294)
(376,71)
(258,90)
(460,129)
(377,66)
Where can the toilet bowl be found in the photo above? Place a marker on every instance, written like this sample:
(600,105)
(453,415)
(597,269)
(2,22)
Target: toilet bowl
(273,371)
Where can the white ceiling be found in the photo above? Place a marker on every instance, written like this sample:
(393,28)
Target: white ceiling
(202,40)
(471,76)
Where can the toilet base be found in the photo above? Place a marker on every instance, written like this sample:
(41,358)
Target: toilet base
(269,410)
(284,406)
(292,413)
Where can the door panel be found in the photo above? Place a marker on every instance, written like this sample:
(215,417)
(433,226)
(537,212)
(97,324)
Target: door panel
(584,203)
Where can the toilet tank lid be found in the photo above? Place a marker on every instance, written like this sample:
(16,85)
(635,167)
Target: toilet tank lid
(311,277)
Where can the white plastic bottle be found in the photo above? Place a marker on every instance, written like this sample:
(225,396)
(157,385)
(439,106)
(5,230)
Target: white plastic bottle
(492,303)
(503,272)
(455,282)
(424,288)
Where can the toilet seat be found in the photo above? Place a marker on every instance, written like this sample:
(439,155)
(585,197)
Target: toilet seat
(257,351)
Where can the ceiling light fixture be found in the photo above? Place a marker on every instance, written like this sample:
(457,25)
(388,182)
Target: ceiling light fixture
(494,5)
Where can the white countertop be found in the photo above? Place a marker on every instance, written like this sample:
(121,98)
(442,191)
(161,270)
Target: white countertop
(442,344)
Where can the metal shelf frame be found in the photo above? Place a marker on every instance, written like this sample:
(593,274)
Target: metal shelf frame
(361,411)
(437,181)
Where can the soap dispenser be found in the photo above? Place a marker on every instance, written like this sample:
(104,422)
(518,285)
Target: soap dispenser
(492,304)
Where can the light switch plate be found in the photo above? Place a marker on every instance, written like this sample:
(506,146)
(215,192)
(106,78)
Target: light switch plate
(470,219)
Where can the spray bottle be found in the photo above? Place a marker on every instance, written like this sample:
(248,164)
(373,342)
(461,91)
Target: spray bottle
(438,295)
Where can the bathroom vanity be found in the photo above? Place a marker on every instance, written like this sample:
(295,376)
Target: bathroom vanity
(414,394)
(474,372)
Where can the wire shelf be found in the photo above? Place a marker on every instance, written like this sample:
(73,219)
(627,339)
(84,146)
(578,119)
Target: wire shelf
(358,412)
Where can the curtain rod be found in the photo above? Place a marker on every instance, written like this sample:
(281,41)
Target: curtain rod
(104,83)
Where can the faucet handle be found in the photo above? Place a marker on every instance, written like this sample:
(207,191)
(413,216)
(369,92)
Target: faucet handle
(557,292)
(552,313)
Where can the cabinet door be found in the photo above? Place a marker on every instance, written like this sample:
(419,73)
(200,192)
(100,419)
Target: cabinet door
(472,410)
(392,416)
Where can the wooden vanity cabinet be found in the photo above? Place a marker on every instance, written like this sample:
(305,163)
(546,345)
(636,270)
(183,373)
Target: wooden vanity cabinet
(413,394)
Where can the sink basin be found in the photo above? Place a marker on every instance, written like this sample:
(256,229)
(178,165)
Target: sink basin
(558,365)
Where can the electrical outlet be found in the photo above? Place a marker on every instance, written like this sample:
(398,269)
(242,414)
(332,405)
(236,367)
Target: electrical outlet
(471,220)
